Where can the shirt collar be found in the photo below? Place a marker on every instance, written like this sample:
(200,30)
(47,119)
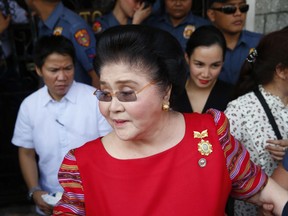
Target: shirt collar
(70,96)
(188,19)
(54,16)
(243,39)
(272,100)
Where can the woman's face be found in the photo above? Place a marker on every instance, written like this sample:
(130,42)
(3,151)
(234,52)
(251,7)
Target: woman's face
(205,64)
(129,6)
(136,119)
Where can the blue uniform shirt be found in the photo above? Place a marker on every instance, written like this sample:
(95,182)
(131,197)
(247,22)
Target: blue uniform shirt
(106,21)
(65,22)
(183,31)
(235,58)
(18,16)
(285,161)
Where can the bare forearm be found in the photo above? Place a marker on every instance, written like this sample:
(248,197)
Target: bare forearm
(272,193)
(280,175)
(28,167)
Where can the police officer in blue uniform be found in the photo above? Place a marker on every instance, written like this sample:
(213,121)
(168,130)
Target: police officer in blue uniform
(176,17)
(10,13)
(230,16)
(134,12)
(106,21)
(56,19)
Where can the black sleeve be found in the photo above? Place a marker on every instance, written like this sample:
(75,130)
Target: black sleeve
(285,210)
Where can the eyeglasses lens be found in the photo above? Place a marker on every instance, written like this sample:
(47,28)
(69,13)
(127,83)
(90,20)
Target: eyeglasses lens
(122,96)
(244,8)
(102,96)
(230,9)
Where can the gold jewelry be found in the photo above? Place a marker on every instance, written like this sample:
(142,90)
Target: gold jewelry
(165,107)
(204,146)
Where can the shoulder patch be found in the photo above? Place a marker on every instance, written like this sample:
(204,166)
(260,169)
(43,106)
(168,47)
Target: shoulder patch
(82,37)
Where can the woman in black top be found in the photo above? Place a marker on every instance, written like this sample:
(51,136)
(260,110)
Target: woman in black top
(205,53)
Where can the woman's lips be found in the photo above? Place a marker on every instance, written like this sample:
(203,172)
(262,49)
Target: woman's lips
(203,81)
(119,122)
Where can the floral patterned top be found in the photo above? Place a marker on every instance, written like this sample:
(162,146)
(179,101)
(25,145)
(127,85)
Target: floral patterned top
(250,125)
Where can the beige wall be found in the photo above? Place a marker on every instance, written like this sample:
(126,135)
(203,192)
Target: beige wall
(270,15)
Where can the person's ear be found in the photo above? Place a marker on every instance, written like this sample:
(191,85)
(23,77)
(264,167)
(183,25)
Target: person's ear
(38,71)
(211,15)
(167,93)
(281,71)
(187,58)
(166,99)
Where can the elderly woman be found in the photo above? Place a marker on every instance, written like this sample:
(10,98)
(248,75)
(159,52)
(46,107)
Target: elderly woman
(156,161)
(259,116)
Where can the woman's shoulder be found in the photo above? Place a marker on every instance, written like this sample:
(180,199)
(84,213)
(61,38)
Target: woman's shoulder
(217,115)
(243,102)
(212,117)
(88,147)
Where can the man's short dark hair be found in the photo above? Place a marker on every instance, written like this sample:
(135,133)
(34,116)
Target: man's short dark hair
(47,45)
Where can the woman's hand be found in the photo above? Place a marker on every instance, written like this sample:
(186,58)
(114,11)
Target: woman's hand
(277,148)
(141,14)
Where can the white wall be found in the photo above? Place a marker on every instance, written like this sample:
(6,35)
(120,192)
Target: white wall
(250,21)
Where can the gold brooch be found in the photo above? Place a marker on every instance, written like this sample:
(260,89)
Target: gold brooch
(201,135)
(204,146)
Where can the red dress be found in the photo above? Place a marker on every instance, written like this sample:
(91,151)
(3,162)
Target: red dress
(178,181)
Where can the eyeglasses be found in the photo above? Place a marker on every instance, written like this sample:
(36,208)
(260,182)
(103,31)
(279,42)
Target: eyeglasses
(123,96)
(231,9)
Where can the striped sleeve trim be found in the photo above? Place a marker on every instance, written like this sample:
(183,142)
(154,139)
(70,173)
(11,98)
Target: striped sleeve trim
(247,178)
(72,201)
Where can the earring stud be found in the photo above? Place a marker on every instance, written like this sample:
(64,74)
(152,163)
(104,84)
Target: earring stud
(165,107)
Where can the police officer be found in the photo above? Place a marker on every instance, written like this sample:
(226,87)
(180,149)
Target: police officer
(124,12)
(10,13)
(230,16)
(176,17)
(56,19)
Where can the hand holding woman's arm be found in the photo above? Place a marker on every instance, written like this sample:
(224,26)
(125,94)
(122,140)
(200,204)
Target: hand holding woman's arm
(271,193)
(277,148)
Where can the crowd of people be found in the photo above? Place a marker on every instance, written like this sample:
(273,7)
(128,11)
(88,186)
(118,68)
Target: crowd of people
(153,110)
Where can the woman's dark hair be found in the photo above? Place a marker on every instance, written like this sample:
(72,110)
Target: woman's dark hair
(144,47)
(207,35)
(271,52)
(48,45)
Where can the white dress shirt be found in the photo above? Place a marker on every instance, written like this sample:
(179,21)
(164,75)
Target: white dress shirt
(52,128)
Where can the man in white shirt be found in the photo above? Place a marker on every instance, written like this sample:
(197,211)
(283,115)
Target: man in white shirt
(60,116)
